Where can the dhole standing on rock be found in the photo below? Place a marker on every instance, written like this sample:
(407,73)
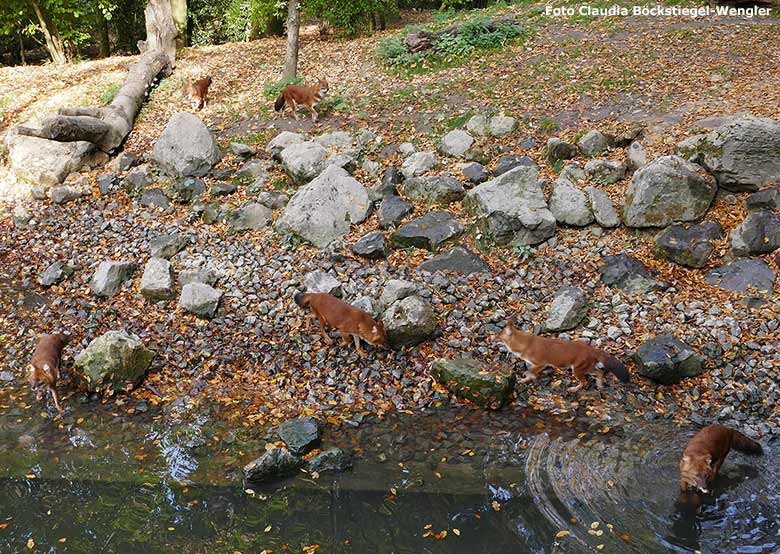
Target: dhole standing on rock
(45,366)
(705,453)
(540,353)
(299,95)
(348,319)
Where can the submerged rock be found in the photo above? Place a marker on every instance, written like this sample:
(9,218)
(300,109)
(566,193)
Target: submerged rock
(330,459)
(474,381)
(274,464)
(300,435)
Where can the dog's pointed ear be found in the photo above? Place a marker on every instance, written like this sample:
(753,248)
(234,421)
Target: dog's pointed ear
(709,460)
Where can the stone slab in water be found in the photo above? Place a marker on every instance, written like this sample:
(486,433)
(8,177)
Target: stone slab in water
(300,435)
(467,378)
(274,464)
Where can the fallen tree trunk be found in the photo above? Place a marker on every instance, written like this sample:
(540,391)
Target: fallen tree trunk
(106,127)
(419,41)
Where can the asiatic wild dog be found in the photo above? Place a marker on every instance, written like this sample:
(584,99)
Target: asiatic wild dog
(197,92)
(299,95)
(705,453)
(45,366)
(349,320)
(540,352)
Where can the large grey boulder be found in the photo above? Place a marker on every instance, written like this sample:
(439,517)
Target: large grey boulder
(157,279)
(456,143)
(409,321)
(593,143)
(744,275)
(324,210)
(113,362)
(418,163)
(603,209)
(667,360)
(428,231)
(303,161)
(569,205)
(46,162)
(567,309)
(691,245)
(200,299)
(743,154)
(251,217)
(439,189)
(186,147)
(110,275)
(282,141)
(629,275)
(667,190)
(335,139)
(511,207)
(276,463)
(455,260)
(483,384)
(300,434)
(759,233)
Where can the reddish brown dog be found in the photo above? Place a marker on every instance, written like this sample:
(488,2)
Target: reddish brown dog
(348,319)
(705,453)
(45,365)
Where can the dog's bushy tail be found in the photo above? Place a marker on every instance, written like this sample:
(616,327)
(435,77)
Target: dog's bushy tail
(302,299)
(616,367)
(745,444)
(279,104)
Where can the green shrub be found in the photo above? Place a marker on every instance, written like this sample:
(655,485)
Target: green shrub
(272,90)
(473,34)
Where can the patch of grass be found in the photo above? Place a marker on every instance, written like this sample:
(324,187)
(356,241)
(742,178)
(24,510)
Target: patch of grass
(335,103)
(256,137)
(455,122)
(548,125)
(272,90)
(109,94)
(523,251)
(450,49)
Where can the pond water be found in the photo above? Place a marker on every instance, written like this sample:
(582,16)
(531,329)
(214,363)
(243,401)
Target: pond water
(103,481)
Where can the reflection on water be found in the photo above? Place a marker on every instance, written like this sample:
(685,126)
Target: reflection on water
(447,482)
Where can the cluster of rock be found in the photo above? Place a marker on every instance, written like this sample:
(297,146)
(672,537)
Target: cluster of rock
(300,436)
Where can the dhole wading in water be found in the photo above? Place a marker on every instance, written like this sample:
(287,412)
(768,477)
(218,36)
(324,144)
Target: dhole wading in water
(705,453)
(45,366)
(197,92)
(348,319)
(540,353)
(299,95)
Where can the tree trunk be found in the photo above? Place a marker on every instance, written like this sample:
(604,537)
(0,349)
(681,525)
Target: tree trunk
(293,26)
(105,42)
(160,30)
(179,13)
(108,127)
(22,51)
(53,41)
